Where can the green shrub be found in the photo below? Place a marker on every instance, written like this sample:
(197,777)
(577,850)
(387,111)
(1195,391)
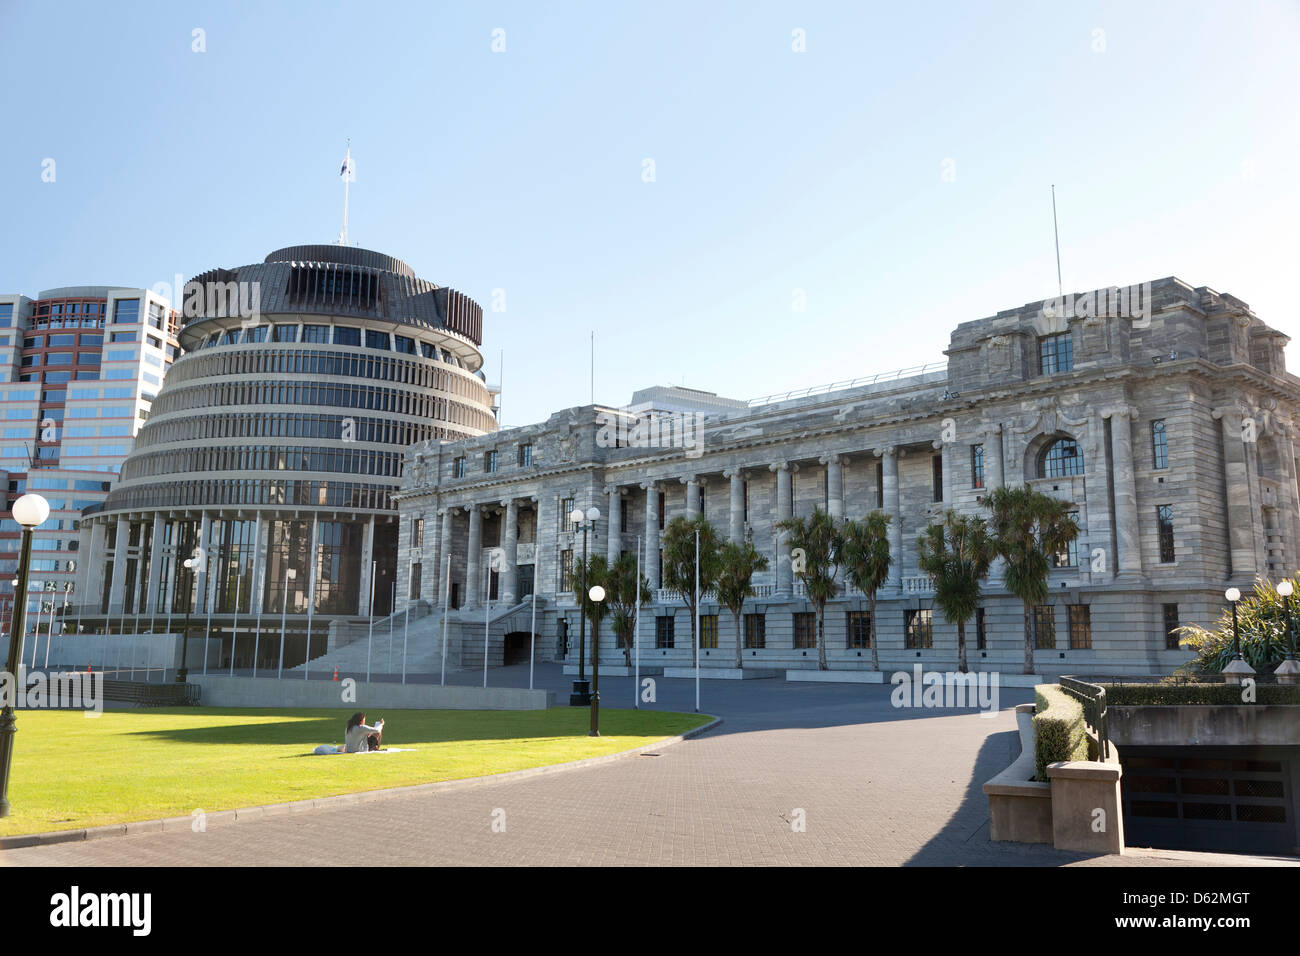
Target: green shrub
(1059,730)
(1138,695)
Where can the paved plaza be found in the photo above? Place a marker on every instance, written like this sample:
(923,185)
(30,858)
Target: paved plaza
(871,784)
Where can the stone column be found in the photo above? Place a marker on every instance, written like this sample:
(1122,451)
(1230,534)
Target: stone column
(1291,521)
(893,508)
(540,568)
(736,514)
(201,595)
(257,586)
(692,496)
(473,559)
(118,588)
(94,561)
(614,534)
(431,557)
(993,477)
(784,510)
(367,573)
(1127,538)
(510,545)
(834,485)
(651,533)
(442,573)
(1241,524)
(155,564)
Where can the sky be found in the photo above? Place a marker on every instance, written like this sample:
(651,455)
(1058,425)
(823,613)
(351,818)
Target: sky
(741,197)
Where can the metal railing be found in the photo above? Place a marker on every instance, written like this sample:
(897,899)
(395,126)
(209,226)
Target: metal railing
(1093,699)
(893,376)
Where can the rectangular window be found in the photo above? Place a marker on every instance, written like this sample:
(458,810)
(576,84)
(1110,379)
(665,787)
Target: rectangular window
(377,340)
(1159,444)
(566,571)
(661,511)
(417,533)
(709,631)
(283,333)
(404,345)
(918,632)
(1172,623)
(755,631)
(1055,354)
(1068,557)
(623,519)
(1165,524)
(346,335)
(805,629)
(1044,626)
(414,593)
(859,629)
(525,456)
(458,468)
(318,334)
(977,466)
(124,337)
(981,631)
(936,477)
(880,484)
(566,509)
(126,310)
(664,631)
(490,462)
(1080,627)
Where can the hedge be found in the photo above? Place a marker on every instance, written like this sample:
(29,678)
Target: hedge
(1059,729)
(1137,695)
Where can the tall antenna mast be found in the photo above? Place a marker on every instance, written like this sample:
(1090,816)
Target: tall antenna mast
(1056,232)
(347,172)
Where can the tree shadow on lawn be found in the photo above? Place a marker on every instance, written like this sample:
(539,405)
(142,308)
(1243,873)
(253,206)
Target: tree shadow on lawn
(409,728)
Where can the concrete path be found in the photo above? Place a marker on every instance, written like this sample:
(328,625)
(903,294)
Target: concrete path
(870,784)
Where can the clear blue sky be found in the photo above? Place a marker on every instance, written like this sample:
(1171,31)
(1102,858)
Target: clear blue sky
(1173,150)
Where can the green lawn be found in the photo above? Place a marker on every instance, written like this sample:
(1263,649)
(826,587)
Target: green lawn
(72,771)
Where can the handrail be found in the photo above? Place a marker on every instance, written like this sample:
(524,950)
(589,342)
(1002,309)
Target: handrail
(1093,699)
(895,375)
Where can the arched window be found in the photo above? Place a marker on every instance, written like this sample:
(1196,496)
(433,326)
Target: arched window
(1060,459)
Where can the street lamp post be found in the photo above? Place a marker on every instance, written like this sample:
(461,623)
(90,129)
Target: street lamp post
(1237,668)
(597,594)
(189,564)
(1289,670)
(29,511)
(581,695)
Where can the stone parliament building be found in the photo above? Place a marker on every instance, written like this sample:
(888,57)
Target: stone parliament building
(1172,432)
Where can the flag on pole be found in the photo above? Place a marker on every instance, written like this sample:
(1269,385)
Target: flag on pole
(349,168)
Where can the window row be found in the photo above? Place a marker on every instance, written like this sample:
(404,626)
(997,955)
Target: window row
(313,363)
(250,491)
(377,431)
(370,397)
(350,461)
(332,335)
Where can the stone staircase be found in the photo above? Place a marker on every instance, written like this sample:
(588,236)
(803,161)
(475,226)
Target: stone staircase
(350,643)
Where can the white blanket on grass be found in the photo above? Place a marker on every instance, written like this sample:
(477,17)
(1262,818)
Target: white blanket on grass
(326,749)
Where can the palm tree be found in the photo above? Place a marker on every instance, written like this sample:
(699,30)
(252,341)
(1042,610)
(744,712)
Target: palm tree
(735,583)
(819,540)
(624,593)
(957,555)
(598,572)
(679,564)
(1028,527)
(866,561)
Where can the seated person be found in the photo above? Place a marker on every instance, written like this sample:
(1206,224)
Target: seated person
(361,737)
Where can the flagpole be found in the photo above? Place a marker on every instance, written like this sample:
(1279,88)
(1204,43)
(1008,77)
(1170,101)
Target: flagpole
(532,628)
(446,601)
(636,633)
(697,620)
(311,592)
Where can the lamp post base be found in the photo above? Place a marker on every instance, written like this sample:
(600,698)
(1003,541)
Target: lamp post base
(581,695)
(595,715)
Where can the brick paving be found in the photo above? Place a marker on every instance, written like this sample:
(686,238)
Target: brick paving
(877,786)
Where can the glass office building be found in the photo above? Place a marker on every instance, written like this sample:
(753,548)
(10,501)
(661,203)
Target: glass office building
(80,367)
(274,449)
